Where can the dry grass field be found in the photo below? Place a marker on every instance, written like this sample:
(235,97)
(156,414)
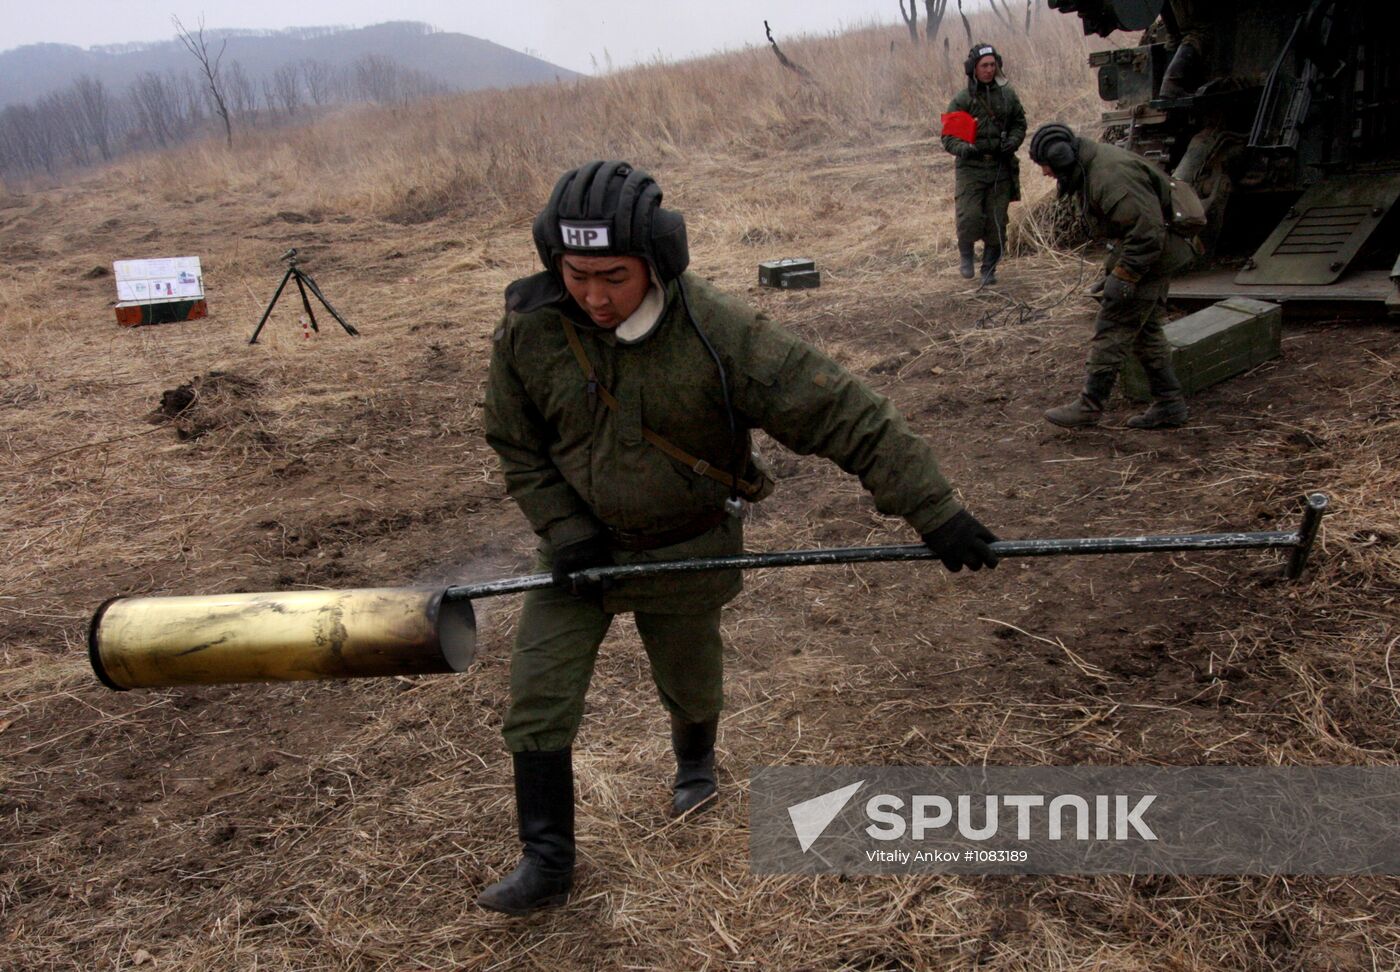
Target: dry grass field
(338,826)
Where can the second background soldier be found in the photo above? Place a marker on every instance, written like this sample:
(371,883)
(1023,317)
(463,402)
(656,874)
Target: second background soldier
(988,174)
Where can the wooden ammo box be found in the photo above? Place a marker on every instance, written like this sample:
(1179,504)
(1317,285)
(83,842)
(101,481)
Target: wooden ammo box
(159,291)
(1218,342)
(774,273)
(130,313)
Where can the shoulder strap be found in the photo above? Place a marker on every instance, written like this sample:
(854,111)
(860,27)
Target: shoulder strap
(748,490)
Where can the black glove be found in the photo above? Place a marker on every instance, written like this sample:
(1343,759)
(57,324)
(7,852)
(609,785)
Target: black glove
(591,551)
(1116,288)
(962,542)
(1096,288)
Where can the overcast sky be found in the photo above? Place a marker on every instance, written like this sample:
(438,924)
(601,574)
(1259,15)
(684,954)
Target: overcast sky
(571,33)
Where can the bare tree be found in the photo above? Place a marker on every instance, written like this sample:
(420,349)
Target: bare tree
(966,26)
(911,19)
(238,87)
(196,45)
(1003,16)
(376,79)
(286,85)
(933,18)
(317,76)
(59,113)
(783,59)
(189,103)
(151,104)
(31,142)
(96,113)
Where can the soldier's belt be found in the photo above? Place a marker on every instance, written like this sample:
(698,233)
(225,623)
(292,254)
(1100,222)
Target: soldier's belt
(636,540)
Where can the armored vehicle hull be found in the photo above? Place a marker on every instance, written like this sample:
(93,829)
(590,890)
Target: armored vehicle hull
(1285,117)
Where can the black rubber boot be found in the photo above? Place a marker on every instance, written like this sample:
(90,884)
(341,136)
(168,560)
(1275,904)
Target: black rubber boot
(966,257)
(544,803)
(1183,74)
(694,743)
(991,256)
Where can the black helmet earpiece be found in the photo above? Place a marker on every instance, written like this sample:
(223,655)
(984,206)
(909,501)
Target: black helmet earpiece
(1054,144)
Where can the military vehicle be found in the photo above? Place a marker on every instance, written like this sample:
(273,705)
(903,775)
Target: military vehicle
(1285,117)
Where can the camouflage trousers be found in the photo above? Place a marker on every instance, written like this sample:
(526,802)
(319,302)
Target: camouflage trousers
(982,195)
(557,643)
(1133,326)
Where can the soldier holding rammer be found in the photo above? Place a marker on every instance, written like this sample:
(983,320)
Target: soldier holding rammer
(621,395)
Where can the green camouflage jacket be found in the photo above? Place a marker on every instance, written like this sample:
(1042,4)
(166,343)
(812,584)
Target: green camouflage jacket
(573,464)
(999,117)
(1123,196)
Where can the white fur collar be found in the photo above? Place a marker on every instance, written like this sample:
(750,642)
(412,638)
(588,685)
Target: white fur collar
(644,319)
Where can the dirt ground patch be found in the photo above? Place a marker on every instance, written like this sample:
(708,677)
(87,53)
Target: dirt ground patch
(349,825)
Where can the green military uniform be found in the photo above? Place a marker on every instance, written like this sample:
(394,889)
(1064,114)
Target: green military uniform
(1195,22)
(1194,35)
(988,175)
(576,466)
(1125,198)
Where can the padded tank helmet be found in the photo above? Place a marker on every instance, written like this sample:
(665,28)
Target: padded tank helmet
(1056,146)
(976,54)
(611,209)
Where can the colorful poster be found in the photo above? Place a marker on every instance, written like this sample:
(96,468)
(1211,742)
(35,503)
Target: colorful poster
(168,278)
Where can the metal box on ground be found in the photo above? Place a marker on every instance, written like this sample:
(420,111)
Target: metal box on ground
(772,273)
(800,280)
(133,312)
(1215,343)
(159,291)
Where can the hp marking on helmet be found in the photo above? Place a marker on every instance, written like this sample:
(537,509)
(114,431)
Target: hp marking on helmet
(585,236)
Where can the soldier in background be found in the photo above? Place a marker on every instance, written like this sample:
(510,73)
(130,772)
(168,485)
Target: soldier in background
(620,398)
(1124,199)
(987,172)
(1190,26)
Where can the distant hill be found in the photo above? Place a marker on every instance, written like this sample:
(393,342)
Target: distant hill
(454,61)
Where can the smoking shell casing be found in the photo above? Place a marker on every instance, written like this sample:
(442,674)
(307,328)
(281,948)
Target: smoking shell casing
(144,642)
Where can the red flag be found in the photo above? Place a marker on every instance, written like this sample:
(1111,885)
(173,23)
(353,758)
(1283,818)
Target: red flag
(960,124)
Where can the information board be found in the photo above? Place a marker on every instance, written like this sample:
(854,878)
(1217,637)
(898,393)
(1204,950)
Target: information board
(168,278)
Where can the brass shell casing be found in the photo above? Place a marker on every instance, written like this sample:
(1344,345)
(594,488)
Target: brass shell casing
(144,642)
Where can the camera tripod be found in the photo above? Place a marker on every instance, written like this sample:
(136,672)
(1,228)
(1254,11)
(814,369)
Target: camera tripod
(304,283)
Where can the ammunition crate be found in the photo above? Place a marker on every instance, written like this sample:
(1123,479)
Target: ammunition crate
(131,313)
(800,280)
(1218,342)
(772,272)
